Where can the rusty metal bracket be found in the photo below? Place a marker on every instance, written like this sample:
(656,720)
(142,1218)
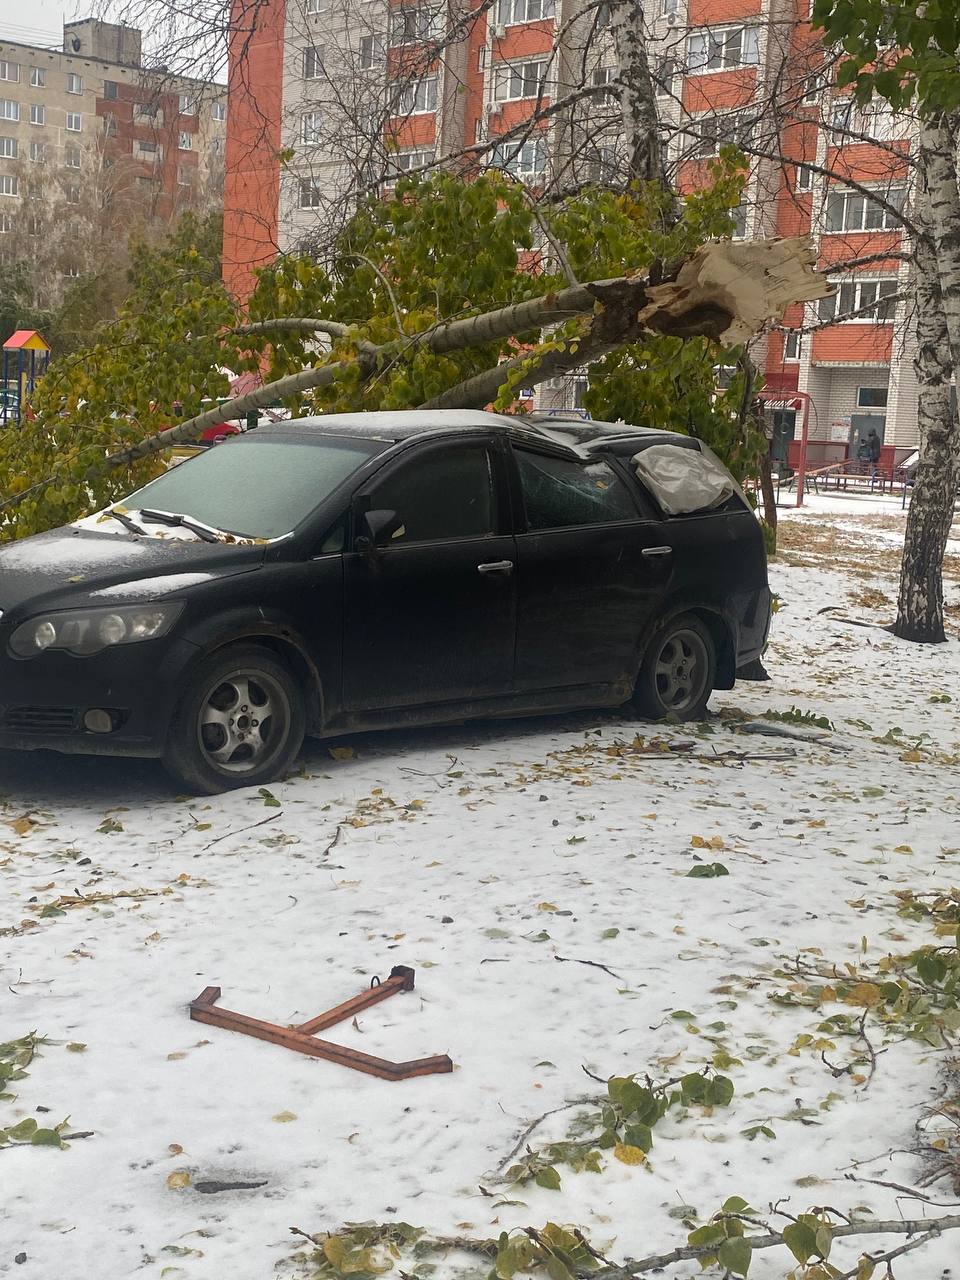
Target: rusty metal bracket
(302,1037)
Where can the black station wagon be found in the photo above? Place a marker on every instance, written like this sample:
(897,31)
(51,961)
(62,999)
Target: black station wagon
(356,571)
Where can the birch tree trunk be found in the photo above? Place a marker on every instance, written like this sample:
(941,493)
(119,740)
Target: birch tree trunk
(920,605)
(641,131)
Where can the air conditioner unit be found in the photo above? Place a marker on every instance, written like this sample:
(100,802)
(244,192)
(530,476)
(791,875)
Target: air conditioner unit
(492,107)
(498,30)
(672,19)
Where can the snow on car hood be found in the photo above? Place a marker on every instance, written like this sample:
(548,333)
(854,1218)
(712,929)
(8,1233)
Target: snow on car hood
(72,566)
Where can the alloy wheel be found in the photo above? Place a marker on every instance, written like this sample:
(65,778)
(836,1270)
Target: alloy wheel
(681,671)
(243,720)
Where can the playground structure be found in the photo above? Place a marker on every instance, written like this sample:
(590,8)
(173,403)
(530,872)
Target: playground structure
(25,358)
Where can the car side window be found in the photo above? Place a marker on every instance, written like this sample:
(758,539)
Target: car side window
(445,493)
(558,493)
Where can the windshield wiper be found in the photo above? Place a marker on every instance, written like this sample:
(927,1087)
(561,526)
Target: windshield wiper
(176,519)
(125,520)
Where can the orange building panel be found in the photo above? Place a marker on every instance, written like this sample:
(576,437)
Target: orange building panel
(866,163)
(414,131)
(524,40)
(853,344)
(703,13)
(252,181)
(846,246)
(719,90)
(794,213)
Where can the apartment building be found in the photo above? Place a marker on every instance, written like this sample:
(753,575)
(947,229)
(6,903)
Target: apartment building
(93,144)
(353,92)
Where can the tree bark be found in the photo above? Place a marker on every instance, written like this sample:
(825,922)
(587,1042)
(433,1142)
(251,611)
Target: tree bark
(937,258)
(641,131)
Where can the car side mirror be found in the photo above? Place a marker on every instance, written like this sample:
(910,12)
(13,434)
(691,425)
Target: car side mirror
(377,528)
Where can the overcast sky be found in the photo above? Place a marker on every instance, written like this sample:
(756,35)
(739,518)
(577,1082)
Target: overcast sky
(36,21)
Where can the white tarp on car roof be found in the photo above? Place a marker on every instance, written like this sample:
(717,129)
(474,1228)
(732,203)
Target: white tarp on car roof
(684,480)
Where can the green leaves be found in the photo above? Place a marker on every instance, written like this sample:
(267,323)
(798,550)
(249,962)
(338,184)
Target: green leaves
(809,1237)
(904,53)
(707,871)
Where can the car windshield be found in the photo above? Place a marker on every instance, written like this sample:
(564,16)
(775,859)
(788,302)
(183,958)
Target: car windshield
(255,488)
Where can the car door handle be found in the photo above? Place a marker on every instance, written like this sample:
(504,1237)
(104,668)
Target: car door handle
(496,566)
(657,551)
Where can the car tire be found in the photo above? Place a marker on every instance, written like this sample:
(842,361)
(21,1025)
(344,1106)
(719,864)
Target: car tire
(678,670)
(240,723)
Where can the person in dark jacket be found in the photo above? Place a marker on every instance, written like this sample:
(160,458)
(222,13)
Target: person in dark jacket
(873,447)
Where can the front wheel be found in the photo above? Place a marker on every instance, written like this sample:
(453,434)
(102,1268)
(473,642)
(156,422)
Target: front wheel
(677,674)
(240,722)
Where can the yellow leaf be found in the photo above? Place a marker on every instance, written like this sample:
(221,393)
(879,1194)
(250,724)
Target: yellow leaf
(335,1250)
(817,822)
(284,1117)
(547,906)
(22,825)
(912,757)
(629,1155)
(175,1057)
(866,994)
(342,753)
(77,1047)
(175,1149)
(179,1179)
(903,848)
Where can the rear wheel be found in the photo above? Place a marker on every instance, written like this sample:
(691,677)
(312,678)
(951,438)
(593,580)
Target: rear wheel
(240,723)
(678,670)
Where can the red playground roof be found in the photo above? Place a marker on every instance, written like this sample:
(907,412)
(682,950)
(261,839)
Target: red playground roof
(25,340)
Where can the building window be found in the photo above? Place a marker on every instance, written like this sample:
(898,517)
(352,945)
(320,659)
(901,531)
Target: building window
(310,127)
(147,114)
(184,175)
(316,6)
(371,52)
(669,6)
(664,78)
(111,90)
(812,89)
(149,149)
(10,71)
(38,77)
(187,104)
(522,159)
(791,346)
(309,194)
(804,179)
(38,152)
(72,157)
(404,161)
(10,110)
(218,111)
(875,120)
(72,193)
(6,223)
(418,97)
(513,80)
(9,148)
(185,141)
(74,83)
(9,184)
(739,216)
(513,12)
(722,49)
(74,122)
(872,300)
(34,225)
(110,125)
(872,397)
(71,271)
(313,62)
(601,77)
(730,130)
(849,211)
(415,26)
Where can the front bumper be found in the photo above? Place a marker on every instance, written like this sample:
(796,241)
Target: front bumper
(43,700)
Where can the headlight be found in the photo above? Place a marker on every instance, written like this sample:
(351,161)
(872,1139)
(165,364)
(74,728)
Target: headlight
(85,631)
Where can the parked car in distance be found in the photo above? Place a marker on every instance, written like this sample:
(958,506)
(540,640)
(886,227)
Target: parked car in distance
(348,572)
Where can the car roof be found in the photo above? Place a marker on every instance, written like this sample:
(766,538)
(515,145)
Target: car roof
(566,430)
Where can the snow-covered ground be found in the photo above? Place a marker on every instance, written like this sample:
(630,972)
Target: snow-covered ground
(534,874)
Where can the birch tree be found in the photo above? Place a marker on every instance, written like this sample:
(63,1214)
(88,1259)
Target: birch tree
(909,55)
